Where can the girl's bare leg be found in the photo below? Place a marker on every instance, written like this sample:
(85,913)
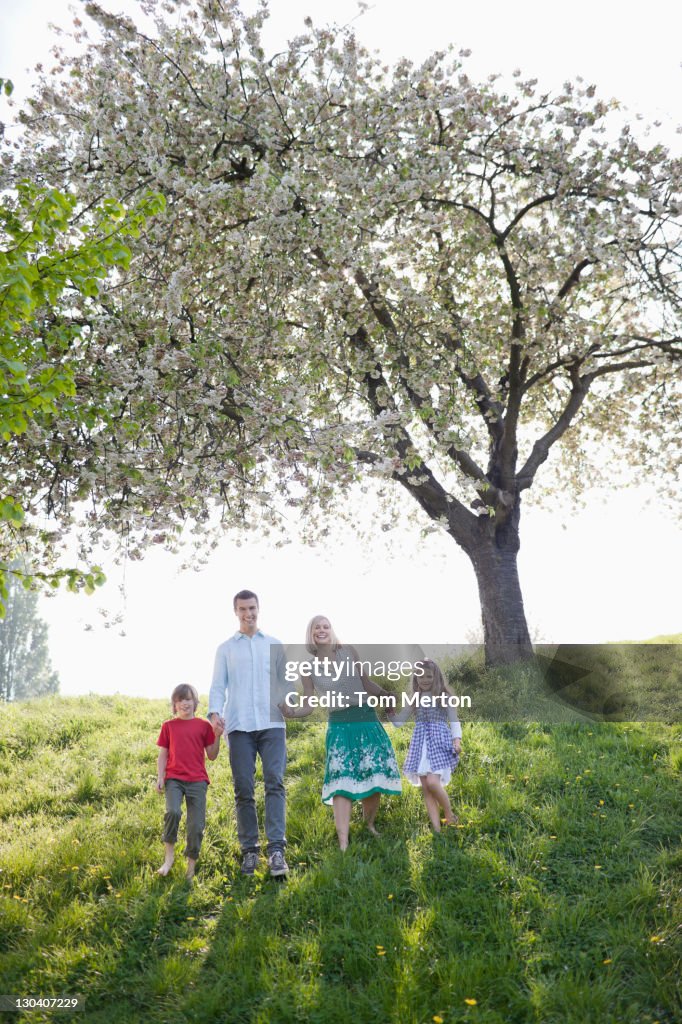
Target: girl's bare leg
(370,806)
(191,865)
(432,806)
(168,861)
(440,793)
(342,808)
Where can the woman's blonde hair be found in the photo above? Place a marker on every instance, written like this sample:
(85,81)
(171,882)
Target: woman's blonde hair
(310,643)
(439,684)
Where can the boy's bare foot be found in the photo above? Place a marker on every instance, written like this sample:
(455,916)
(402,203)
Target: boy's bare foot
(371,828)
(191,865)
(165,868)
(454,820)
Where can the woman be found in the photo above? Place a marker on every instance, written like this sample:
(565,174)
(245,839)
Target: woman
(360,764)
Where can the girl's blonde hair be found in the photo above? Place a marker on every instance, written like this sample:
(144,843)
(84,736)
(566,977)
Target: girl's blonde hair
(310,643)
(184,692)
(439,684)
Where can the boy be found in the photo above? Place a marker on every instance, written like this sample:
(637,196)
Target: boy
(182,772)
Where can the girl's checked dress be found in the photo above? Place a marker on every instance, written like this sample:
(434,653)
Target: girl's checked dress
(430,751)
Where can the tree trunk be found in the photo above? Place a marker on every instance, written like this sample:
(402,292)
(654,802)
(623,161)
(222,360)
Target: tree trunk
(494,556)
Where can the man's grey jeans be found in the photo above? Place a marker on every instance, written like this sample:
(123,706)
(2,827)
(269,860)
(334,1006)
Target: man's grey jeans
(270,744)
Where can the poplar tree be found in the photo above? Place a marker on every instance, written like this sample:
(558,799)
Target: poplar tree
(25,666)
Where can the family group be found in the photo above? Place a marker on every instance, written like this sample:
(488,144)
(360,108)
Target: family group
(360,761)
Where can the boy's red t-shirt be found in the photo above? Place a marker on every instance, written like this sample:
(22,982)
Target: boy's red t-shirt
(186,739)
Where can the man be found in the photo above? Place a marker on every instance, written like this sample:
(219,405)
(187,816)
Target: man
(249,667)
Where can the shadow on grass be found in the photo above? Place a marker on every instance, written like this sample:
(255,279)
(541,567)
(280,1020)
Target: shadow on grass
(509,911)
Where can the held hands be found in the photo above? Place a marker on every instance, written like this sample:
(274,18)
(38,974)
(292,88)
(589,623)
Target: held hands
(457,744)
(300,712)
(217,722)
(160,785)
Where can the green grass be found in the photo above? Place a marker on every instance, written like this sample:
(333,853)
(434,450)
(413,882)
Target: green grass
(568,857)
(575,682)
(668,638)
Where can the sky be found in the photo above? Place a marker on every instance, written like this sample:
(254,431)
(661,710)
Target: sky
(609,571)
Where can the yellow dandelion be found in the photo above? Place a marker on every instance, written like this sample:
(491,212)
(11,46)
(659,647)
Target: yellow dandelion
(597,867)
(381,952)
(601,803)
(587,771)
(656,938)
(578,778)
(552,837)
(607,961)
(631,806)
(437,1019)
(191,919)
(471,1002)
(390,896)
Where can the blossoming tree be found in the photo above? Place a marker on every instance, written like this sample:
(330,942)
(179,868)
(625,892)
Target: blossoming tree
(49,270)
(363,271)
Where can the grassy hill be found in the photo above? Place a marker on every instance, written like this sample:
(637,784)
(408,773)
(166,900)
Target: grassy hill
(668,638)
(557,900)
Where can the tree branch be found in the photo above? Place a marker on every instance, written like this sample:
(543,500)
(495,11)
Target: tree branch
(617,367)
(646,343)
(542,446)
(573,278)
(522,213)
(419,480)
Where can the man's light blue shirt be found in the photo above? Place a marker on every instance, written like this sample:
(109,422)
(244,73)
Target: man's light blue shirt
(248,683)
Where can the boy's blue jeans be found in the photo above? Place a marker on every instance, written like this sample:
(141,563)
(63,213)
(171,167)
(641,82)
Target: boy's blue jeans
(270,744)
(195,797)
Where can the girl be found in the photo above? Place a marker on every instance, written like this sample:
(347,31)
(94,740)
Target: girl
(436,741)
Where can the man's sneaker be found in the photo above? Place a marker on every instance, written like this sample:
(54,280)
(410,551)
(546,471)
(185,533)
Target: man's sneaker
(250,863)
(277,864)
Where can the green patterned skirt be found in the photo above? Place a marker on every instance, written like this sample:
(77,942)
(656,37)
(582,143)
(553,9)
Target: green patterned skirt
(360,758)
